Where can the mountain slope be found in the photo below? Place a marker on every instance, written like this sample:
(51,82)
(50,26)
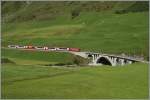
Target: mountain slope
(29,10)
(91,30)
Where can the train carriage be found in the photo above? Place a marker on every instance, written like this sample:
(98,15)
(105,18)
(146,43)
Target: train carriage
(74,49)
(62,49)
(45,48)
(29,47)
(20,47)
(51,49)
(12,46)
(39,47)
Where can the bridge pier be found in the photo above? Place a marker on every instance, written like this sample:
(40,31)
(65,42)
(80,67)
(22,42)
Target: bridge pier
(114,61)
(93,59)
(122,62)
(129,62)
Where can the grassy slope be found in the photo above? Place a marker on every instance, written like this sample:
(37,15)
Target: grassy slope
(105,31)
(130,81)
(33,57)
(14,73)
(87,32)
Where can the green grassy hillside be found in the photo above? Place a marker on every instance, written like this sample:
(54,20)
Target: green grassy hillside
(48,10)
(106,32)
(108,27)
(130,81)
(29,10)
(40,57)
(96,28)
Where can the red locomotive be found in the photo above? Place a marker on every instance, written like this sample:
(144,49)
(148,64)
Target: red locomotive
(74,49)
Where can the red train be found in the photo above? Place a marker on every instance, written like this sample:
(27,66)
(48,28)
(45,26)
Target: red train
(74,49)
(45,48)
(29,47)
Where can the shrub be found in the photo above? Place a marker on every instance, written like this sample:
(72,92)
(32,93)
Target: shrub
(120,11)
(80,61)
(75,13)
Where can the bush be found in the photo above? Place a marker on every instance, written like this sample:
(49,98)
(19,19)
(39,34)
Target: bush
(60,64)
(80,61)
(75,13)
(120,11)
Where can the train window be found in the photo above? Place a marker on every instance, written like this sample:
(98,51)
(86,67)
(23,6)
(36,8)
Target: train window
(51,48)
(39,47)
(20,46)
(62,48)
(12,46)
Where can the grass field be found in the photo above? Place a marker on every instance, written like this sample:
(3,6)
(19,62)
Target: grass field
(24,74)
(22,57)
(87,32)
(130,81)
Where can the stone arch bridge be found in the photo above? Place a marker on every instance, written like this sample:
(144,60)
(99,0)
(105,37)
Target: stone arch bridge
(107,59)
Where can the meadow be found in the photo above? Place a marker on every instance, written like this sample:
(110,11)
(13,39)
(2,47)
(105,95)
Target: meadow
(88,32)
(24,74)
(28,77)
(34,57)
(35,82)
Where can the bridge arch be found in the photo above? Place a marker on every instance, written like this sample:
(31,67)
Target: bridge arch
(104,61)
(90,55)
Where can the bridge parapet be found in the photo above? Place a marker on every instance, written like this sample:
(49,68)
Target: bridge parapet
(108,59)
